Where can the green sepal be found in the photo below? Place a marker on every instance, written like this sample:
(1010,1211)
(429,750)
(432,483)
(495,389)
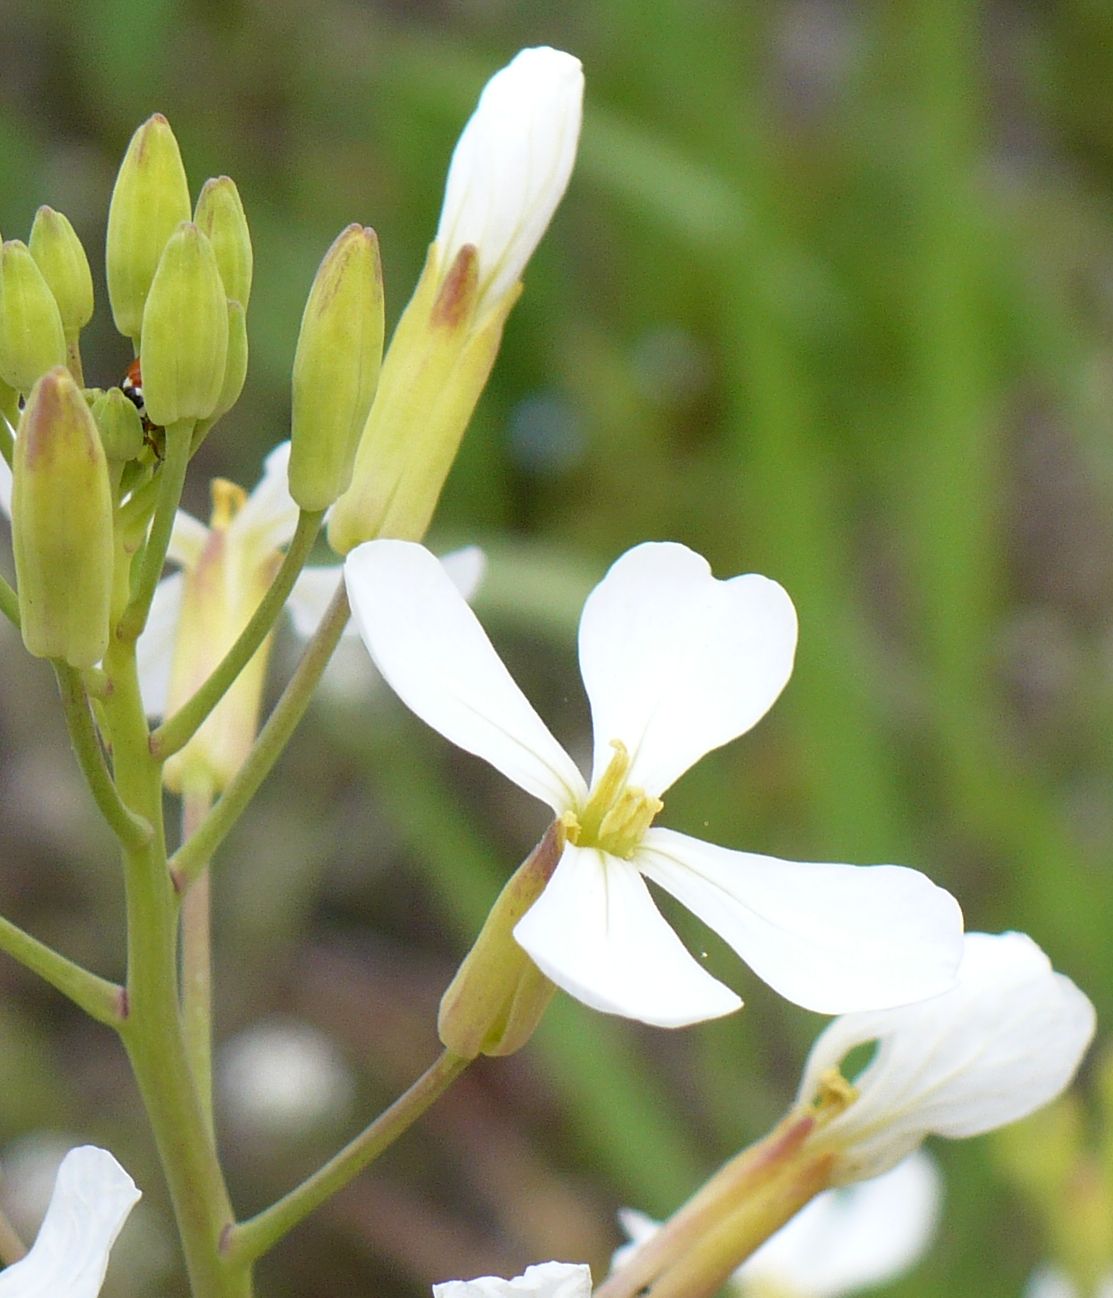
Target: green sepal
(220,214)
(32,339)
(58,253)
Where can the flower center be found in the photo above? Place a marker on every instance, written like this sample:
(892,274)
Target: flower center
(616,814)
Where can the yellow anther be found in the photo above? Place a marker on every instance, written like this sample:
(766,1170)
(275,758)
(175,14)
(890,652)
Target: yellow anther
(228,500)
(617,814)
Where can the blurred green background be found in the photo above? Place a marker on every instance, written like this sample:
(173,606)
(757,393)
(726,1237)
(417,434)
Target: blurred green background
(829,298)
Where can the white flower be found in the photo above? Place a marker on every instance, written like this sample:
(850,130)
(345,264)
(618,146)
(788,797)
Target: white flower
(1050,1282)
(844,1240)
(511,166)
(675,664)
(546,1280)
(1005,1040)
(92,1198)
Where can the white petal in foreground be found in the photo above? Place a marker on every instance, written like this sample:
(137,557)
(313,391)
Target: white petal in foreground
(677,663)
(436,657)
(511,166)
(546,1280)
(596,932)
(1003,1042)
(92,1198)
(828,937)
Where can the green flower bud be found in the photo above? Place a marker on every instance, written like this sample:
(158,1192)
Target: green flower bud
(149,202)
(185,331)
(119,424)
(59,255)
(32,340)
(235,364)
(62,525)
(336,367)
(498,995)
(220,214)
(435,370)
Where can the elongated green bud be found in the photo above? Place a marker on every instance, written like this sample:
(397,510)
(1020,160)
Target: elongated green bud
(119,425)
(185,331)
(62,525)
(235,364)
(498,995)
(336,367)
(149,202)
(59,255)
(31,336)
(220,214)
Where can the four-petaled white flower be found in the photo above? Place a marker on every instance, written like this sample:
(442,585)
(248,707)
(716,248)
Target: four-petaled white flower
(92,1198)
(511,166)
(1004,1041)
(675,664)
(545,1280)
(844,1240)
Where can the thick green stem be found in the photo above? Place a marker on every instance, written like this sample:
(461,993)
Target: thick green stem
(170,482)
(177,730)
(9,602)
(99,998)
(132,831)
(152,1033)
(197,968)
(252,1238)
(194,855)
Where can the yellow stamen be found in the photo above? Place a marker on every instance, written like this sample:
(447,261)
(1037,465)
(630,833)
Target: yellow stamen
(617,814)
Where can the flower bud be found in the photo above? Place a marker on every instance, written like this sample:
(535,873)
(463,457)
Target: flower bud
(508,172)
(62,525)
(336,367)
(185,331)
(220,214)
(59,255)
(149,202)
(498,995)
(119,424)
(32,339)
(235,364)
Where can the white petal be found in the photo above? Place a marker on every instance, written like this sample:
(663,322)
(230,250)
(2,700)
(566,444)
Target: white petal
(269,516)
(852,1237)
(5,487)
(831,938)
(188,538)
(315,587)
(1005,1040)
(677,663)
(154,651)
(546,1280)
(92,1198)
(433,653)
(1050,1282)
(596,932)
(511,166)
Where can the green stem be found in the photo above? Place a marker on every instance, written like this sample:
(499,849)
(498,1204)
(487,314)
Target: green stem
(9,603)
(194,855)
(132,831)
(99,998)
(152,1033)
(252,1238)
(177,730)
(171,481)
(197,969)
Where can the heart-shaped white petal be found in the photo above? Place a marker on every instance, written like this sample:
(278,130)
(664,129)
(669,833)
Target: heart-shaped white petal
(431,650)
(92,1198)
(545,1280)
(831,938)
(1005,1040)
(596,932)
(677,663)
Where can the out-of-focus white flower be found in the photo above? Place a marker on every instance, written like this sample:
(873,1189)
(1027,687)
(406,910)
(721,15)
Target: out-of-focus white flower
(92,1198)
(844,1240)
(511,166)
(545,1280)
(675,664)
(280,1076)
(1004,1041)
(1050,1282)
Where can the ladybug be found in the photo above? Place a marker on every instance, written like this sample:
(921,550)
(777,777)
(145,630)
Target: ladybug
(132,387)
